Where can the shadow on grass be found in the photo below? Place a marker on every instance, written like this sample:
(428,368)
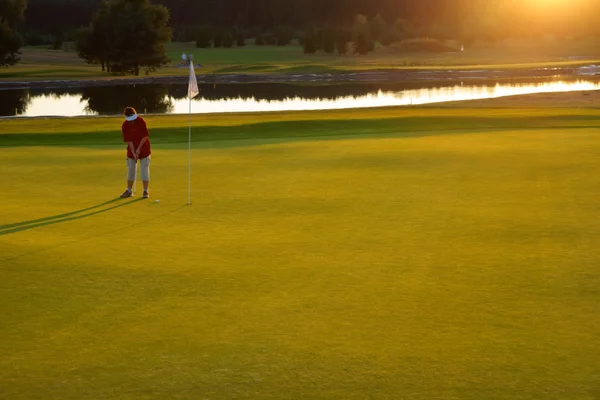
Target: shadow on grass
(70,216)
(297,130)
(94,233)
(33,221)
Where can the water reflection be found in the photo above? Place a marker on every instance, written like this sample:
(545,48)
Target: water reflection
(170,99)
(113,99)
(381,98)
(14,102)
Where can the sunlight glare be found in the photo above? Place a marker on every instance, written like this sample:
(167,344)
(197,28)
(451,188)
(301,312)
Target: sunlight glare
(73,105)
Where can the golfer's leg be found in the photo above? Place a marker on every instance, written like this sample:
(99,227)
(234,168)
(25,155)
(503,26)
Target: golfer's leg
(145,171)
(131,172)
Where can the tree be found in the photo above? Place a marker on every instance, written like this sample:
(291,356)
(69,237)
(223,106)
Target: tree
(310,43)
(378,28)
(342,37)
(126,36)
(360,27)
(270,39)
(404,29)
(328,40)
(284,35)
(513,18)
(240,38)
(11,13)
(362,45)
(390,37)
(204,37)
(93,43)
(228,39)
(57,43)
(218,39)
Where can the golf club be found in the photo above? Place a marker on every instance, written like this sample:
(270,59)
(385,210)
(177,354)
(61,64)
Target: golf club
(135,179)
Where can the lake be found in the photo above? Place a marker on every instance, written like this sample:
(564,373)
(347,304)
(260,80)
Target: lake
(264,97)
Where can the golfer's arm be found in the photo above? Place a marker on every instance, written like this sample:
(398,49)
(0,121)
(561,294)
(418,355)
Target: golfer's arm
(144,139)
(131,148)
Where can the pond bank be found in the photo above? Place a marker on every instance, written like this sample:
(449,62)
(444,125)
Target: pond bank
(415,75)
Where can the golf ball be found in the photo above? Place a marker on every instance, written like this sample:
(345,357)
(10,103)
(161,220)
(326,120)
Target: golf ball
(156,201)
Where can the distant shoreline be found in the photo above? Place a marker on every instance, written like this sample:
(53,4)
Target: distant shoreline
(414,75)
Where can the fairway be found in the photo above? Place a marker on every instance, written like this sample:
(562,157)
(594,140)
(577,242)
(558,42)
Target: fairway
(415,253)
(41,64)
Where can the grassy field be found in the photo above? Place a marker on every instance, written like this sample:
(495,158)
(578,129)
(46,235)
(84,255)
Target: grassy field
(421,253)
(41,63)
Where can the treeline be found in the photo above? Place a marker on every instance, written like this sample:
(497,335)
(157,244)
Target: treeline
(51,21)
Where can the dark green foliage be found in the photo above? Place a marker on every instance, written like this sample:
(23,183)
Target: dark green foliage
(269,39)
(362,45)
(126,36)
(360,27)
(299,36)
(204,37)
(341,46)
(33,39)
(342,37)
(218,39)
(377,28)
(11,14)
(442,19)
(228,39)
(404,29)
(370,46)
(10,43)
(93,45)
(328,40)
(57,43)
(240,38)
(310,43)
(390,37)
(12,11)
(254,32)
(186,33)
(283,35)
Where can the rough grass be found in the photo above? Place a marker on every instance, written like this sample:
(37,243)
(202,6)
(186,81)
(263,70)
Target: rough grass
(458,263)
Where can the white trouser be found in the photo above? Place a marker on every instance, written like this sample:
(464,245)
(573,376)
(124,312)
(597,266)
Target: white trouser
(144,169)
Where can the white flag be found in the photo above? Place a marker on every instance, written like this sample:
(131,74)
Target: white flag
(193,84)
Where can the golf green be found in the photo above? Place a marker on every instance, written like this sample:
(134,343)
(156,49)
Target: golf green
(365,254)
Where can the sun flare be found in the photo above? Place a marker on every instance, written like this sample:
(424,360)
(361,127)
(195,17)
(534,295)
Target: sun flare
(559,4)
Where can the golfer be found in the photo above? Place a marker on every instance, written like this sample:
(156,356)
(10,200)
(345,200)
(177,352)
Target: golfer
(135,134)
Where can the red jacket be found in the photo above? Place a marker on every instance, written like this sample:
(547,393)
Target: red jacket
(134,132)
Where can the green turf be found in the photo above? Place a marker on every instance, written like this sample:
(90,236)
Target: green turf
(43,64)
(424,254)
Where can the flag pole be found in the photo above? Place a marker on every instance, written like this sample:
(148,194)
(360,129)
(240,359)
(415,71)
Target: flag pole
(189,203)
(192,92)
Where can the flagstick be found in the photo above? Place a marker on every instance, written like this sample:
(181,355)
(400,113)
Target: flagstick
(189,203)
(192,92)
